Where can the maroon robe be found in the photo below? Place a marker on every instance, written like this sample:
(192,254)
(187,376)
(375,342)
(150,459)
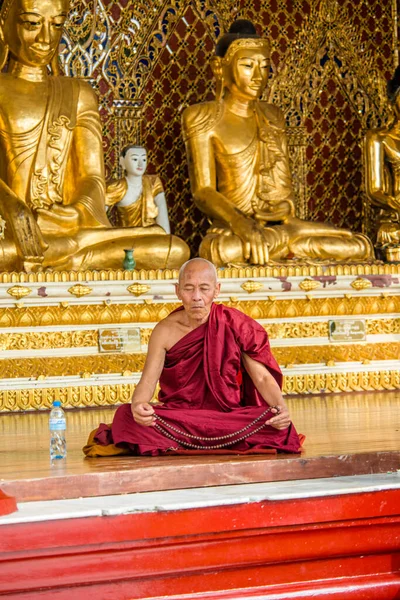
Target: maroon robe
(206,392)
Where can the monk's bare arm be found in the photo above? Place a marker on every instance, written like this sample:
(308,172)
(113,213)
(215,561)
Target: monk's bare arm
(269,390)
(142,411)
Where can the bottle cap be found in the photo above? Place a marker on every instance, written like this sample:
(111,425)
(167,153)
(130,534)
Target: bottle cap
(56,403)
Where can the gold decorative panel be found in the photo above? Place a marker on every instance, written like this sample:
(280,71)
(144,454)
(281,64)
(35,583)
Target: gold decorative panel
(302,355)
(364,381)
(148,61)
(29,316)
(85,366)
(107,395)
(71,397)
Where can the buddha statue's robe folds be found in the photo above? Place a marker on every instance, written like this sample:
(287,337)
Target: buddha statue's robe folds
(382,183)
(239,170)
(52,184)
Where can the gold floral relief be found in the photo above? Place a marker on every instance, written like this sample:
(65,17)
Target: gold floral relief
(87,314)
(330,355)
(48,339)
(71,397)
(108,395)
(364,381)
(85,366)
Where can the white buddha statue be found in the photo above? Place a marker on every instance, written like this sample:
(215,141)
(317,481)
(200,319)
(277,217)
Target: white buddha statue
(137,200)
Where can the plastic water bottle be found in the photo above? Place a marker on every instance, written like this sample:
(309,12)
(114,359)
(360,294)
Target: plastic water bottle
(57,425)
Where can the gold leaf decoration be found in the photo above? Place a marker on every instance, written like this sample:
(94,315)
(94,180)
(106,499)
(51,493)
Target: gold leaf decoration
(80,290)
(252,286)
(19,291)
(138,289)
(309,284)
(361,284)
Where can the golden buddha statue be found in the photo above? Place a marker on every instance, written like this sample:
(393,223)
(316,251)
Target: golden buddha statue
(137,200)
(382,176)
(239,167)
(52,185)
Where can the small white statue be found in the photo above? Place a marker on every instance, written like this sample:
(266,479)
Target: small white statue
(137,200)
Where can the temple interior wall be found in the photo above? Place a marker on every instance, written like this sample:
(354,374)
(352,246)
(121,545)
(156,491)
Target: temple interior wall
(329,64)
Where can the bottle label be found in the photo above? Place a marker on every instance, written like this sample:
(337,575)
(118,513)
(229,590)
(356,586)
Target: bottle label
(57,424)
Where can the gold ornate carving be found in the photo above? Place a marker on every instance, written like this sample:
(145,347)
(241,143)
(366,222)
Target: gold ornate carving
(137,289)
(315,307)
(361,284)
(71,397)
(330,355)
(108,395)
(85,366)
(309,284)
(19,291)
(383,326)
(289,269)
(152,313)
(145,336)
(249,44)
(48,339)
(364,381)
(252,286)
(80,290)
(307,329)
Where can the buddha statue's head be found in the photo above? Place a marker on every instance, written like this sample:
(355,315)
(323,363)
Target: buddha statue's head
(133,160)
(242,61)
(30,31)
(393,89)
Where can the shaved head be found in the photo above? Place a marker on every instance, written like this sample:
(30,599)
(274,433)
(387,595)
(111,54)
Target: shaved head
(197,264)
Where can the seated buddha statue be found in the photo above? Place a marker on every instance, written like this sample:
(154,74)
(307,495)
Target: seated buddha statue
(137,199)
(239,167)
(382,174)
(52,183)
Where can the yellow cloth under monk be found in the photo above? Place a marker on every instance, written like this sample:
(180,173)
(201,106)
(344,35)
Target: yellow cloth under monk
(141,213)
(92,449)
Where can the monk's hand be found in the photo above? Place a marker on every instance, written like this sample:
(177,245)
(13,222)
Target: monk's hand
(281,420)
(254,239)
(143,414)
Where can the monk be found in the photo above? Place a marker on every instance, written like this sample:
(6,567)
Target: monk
(220,385)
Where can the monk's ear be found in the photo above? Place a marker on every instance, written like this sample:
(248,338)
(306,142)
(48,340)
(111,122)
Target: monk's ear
(217,290)
(177,292)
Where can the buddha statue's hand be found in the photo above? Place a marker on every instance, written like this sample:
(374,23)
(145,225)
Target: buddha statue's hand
(254,239)
(275,212)
(58,219)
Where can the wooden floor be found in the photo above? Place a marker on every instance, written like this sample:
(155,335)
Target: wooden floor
(346,434)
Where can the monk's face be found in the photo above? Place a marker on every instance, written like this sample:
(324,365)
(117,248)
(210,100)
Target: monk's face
(197,290)
(247,75)
(33,30)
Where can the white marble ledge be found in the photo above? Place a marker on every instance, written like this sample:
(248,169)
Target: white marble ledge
(102,506)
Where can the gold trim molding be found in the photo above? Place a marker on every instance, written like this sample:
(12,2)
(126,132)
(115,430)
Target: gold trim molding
(71,397)
(291,269)
(365,381)
(48,339)
(90,338)
(86,314)
(304,355)
(111,395)
(61,366)
(101,364)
